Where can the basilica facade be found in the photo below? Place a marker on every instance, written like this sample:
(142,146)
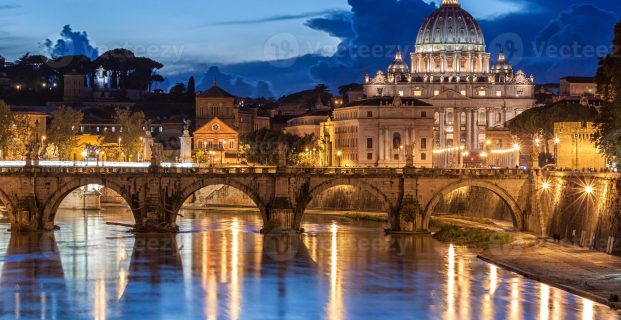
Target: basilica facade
(451,70)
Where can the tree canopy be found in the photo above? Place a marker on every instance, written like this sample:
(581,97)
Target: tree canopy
(63,130)
(532,120)
(608,79)
(262,147)
(131,128)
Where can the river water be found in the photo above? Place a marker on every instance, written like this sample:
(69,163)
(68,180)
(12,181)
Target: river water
(220,267)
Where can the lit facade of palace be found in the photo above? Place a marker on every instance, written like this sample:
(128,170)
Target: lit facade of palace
(450,69)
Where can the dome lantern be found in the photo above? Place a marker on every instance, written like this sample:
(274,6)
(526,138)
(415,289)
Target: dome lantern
(450,2)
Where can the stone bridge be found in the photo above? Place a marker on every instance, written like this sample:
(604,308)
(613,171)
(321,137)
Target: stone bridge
(32,195)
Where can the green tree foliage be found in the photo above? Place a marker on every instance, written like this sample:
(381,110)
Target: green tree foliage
(608,79)
(6,132)
(130,129)
(262,147)
(532,120)
(63,130)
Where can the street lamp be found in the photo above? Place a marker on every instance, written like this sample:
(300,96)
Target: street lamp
(399,157)
(338,157)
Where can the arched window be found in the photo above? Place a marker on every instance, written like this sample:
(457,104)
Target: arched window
(396,140)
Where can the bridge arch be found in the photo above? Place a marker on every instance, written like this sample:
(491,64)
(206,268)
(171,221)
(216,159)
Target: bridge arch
(56,198)
(303,200)
(514,208)
(8,202)
(189,190)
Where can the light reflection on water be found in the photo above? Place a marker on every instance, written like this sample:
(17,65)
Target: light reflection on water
(226,269)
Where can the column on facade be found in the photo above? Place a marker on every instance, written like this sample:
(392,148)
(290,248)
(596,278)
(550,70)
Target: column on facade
(442,128)
(475,137)
(489,118)
(457,128)
(503,116)
(380,145)
(387,145)
(468,130)
(442,62)
(457,62)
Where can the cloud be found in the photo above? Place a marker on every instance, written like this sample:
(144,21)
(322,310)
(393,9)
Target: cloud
(9,6)
(235,84)
(71,43)
(276,18)
(572,43)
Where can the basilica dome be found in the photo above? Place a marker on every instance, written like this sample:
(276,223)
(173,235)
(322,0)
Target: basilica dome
(450,28)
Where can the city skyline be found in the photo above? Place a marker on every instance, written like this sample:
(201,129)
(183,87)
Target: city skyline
(327,39)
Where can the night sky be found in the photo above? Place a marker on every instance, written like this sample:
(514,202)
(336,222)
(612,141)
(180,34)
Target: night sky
(332,41)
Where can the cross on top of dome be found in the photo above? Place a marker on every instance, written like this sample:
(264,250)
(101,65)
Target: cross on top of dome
(450,2)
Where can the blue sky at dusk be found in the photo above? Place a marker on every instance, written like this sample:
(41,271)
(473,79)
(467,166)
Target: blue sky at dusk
(322,41)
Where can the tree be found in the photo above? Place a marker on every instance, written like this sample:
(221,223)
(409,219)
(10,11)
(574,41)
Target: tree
(608,79)
(63,131)
(6,116)
(262,147)
(541,120)
(191,89)
(130,129)
(178,89)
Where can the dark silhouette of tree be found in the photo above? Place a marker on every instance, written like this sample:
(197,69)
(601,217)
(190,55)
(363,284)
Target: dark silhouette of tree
(608,79)
(178,89)
(261,147)
(191,89)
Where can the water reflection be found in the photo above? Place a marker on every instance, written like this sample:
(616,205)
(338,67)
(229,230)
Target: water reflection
(225,269)
(32,283)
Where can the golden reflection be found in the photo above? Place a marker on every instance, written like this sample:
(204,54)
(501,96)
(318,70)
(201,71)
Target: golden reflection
(464,289)
(235,298)
(99,299)
(121,256)
(488,298)
(335,307)
(514,307)
(450,284)
(208,278)
(587,309)
(544,302)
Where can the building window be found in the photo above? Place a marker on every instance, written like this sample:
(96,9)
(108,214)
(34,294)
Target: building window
(423,156)
(423,114)
(231,144)
(401,93)
(482,93)
(380,91)
(396,140)
(369,156)
(418,93)
(97,129)
(369,143)
(370,114)
(161,129)
(436,92)
(463,92)
(199,144)
(499,93)
(113,129)
(396,157)
(423,143)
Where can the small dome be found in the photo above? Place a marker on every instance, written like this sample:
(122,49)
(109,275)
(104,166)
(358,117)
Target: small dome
(450,28)
(398,65)
(502,65)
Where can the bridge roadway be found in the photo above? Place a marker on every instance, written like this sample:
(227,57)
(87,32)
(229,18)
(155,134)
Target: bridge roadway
(32,195)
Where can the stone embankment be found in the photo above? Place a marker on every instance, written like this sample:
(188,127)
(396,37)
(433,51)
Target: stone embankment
(590,274)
